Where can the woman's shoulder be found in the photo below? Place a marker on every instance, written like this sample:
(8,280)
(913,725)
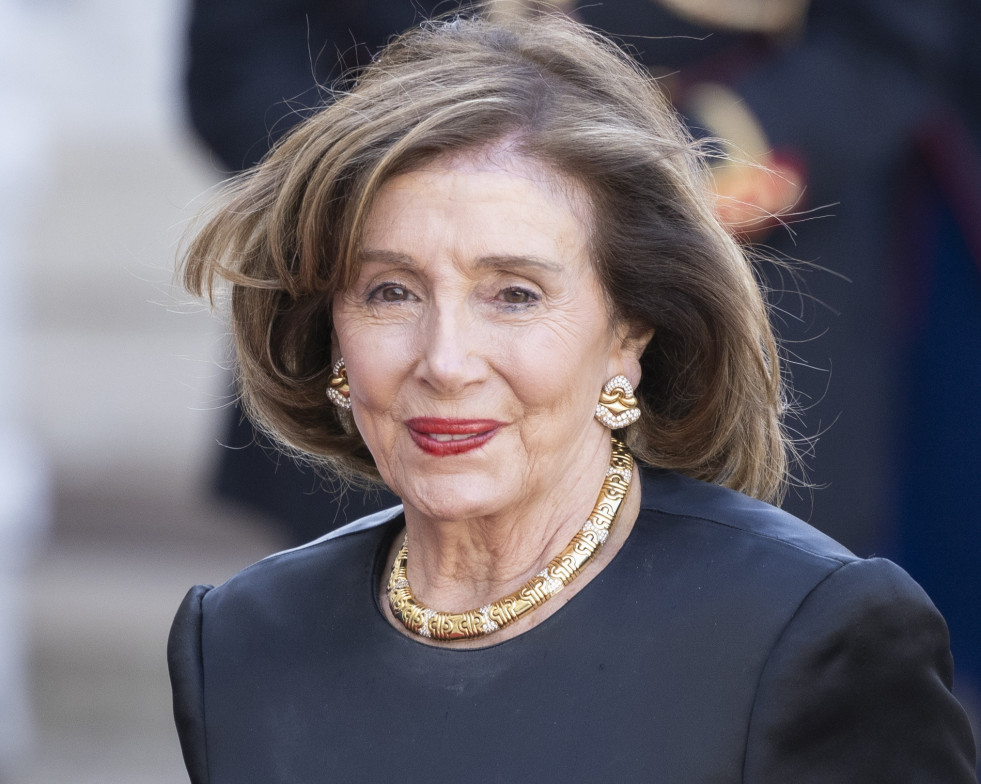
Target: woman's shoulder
(746,553)
(697,506)
(331,559)
(841,647)
(741,558)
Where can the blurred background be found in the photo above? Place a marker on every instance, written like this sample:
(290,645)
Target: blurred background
(114,390)
(109,385)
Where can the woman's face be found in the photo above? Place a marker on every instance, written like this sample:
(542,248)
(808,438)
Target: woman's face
(477,338)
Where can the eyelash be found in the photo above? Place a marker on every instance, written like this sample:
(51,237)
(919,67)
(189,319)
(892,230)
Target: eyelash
(530,298)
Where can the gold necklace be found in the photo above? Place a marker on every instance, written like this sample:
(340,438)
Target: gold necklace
(422,620)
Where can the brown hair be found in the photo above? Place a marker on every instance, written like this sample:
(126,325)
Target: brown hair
(287,234)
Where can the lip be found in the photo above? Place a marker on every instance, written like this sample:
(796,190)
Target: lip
(458,435)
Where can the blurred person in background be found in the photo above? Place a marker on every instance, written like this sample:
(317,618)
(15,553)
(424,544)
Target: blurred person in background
(24,501)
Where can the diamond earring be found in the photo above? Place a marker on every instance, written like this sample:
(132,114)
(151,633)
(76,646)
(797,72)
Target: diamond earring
(338,390)
(617,405)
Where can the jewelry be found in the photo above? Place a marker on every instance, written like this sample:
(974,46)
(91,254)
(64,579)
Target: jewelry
(422,620)
(617,405)
(337,389)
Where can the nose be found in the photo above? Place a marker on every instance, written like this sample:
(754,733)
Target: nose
(451,355)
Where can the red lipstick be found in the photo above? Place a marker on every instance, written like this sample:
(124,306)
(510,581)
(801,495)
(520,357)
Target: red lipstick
(443,437)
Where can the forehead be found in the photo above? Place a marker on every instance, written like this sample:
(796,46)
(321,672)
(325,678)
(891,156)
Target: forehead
(497,194)
(504,156)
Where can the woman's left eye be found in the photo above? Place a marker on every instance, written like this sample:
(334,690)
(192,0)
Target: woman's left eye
(517,296)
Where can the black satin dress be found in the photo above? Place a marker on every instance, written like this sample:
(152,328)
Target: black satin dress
(726,642)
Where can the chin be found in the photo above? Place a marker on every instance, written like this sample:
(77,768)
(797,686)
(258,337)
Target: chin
(455,497)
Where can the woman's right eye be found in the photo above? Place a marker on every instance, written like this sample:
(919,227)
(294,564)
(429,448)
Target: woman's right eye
(390,292)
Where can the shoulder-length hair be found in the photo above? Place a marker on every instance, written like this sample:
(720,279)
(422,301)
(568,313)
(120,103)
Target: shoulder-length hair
(286,237)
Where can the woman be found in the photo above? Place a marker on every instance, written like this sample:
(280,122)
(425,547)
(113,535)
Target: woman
(454,279)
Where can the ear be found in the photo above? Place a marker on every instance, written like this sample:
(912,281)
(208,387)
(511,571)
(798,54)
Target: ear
(632,341)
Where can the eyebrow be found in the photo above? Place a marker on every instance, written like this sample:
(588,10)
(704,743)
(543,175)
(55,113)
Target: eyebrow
(507,261)
(386,256)
(496,261)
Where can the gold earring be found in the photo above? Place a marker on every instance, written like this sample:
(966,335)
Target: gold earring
(617,405)
(338,390)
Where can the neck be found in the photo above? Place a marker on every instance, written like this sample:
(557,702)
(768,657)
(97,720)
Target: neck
(462,564)
(518,611)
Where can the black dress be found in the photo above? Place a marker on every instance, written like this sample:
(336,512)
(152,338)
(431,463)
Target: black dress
(726,642)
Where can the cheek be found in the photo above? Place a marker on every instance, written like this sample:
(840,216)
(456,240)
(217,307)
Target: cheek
(373,397)
(559,368)
(373,379)
(376,369)
(371,351)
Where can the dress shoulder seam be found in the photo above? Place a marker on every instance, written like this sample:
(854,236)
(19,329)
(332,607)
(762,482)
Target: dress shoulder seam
(842,559)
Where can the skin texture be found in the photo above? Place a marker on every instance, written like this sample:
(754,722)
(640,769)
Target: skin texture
(478,313)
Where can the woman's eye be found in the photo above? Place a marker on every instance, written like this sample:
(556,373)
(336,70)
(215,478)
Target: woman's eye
(390,292)
(516,296)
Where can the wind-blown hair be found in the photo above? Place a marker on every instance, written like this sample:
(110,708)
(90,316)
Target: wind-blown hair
(287,233)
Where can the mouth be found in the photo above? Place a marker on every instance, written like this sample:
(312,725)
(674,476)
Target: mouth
(442,437)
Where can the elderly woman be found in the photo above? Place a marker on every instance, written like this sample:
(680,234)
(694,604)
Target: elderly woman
(490,277)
